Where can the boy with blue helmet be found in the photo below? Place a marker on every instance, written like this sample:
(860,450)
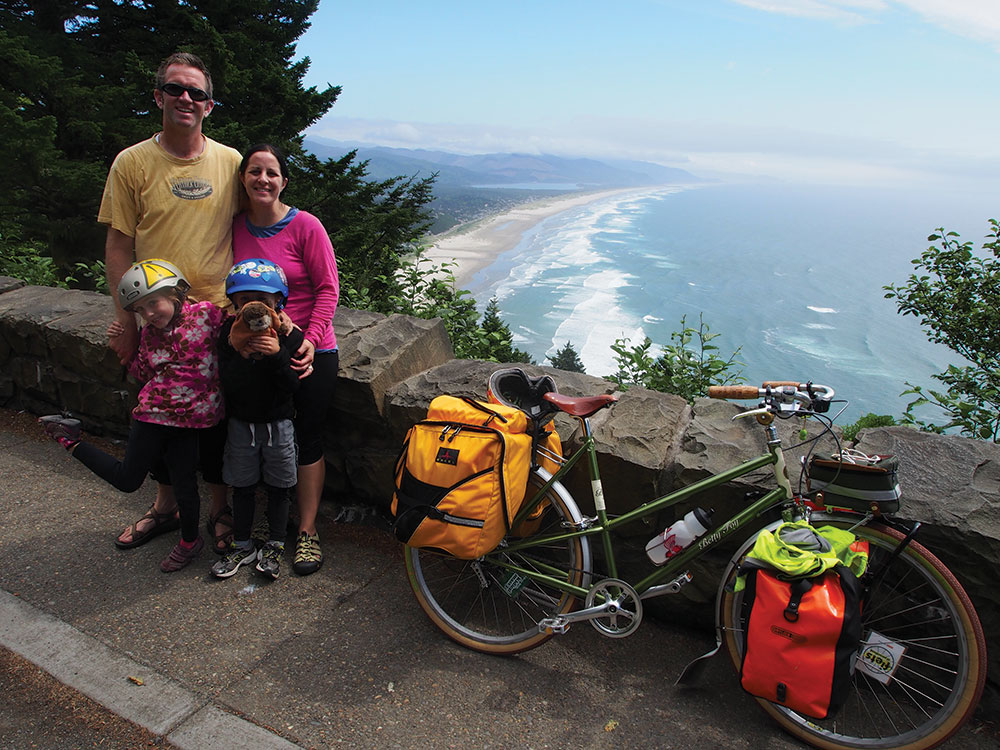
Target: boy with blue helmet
(258,275)
(258,384)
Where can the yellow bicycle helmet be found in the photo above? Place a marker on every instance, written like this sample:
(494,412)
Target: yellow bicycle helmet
(149,277)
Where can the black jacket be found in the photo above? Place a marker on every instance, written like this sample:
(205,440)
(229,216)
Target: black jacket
(259,390)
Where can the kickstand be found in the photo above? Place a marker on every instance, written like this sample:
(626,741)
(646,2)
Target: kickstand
(693,670)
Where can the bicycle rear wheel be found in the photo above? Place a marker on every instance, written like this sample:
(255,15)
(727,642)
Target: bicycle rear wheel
(478,604)
(916,603)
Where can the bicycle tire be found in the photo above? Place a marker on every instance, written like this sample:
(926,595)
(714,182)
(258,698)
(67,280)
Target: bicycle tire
(466,598)
(934,689)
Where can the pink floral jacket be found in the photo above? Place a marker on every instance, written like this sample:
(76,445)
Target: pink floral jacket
(180,367)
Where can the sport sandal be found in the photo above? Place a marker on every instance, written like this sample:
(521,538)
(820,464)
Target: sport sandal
(308,554)
(162,523)
(224,518)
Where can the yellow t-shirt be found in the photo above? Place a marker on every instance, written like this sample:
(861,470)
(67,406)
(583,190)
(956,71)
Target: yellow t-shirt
(180,210)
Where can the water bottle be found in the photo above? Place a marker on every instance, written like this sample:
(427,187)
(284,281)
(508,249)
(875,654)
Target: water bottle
(679,535)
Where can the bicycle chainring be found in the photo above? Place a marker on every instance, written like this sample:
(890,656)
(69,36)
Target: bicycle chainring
(624,608)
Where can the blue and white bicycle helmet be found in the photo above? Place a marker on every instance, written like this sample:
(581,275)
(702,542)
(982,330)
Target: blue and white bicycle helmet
(258,275)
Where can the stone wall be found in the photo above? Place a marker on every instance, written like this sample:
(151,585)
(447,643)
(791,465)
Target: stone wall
(53,356)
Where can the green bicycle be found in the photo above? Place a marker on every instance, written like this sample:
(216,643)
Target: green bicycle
(531,587)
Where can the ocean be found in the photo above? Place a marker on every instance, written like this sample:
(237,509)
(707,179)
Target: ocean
(790,275)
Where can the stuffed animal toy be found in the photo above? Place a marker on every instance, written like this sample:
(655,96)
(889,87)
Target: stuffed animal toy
(253,319)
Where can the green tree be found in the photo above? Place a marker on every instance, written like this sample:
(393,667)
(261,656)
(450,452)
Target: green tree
(76,88)
(498,341)
(851,431)
(567,359)
(373,224)
(955,293)
(687,367)
(428,291)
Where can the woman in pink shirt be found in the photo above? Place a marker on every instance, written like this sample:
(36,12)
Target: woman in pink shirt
(297,241)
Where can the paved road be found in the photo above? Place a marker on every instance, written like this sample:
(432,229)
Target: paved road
(341,658)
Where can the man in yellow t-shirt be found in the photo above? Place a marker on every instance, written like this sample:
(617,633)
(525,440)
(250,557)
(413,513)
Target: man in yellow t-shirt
(173,197)
(180,210)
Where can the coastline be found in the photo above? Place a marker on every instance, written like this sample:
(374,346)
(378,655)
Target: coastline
(476,244)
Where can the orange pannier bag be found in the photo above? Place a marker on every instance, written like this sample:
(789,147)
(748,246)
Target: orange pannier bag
(801,639)
(461,477)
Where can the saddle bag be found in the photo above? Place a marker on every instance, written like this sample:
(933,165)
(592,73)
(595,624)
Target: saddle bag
(461,477)
(801,639)
(860,486)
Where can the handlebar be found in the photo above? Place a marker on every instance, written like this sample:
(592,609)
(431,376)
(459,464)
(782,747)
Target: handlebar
(777,392)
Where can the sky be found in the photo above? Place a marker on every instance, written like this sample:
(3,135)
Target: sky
(881,92)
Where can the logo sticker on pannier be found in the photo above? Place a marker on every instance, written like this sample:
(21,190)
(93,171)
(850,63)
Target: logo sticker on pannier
(447,456)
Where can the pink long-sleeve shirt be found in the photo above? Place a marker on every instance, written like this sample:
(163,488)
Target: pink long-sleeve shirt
(305,254)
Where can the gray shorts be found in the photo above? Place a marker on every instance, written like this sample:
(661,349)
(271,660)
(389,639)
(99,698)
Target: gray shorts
(253,450)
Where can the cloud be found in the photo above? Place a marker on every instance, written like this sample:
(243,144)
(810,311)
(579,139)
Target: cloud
(976,19)
(848,11)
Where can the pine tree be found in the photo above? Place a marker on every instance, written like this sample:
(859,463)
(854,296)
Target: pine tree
(567,359)
(498,341)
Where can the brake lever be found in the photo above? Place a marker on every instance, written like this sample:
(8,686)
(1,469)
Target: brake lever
(752,413)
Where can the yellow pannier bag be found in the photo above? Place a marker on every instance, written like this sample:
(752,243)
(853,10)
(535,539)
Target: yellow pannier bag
(548,445)
(461,477)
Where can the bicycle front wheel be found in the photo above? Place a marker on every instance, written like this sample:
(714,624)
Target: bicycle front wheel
(915,603)
(481,605)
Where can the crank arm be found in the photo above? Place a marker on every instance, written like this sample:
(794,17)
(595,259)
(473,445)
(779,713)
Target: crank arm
(562,622)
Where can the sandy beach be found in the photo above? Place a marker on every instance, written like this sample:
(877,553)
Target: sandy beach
(475,245)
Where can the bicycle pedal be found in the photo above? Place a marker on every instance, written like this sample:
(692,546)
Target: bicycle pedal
(555,625)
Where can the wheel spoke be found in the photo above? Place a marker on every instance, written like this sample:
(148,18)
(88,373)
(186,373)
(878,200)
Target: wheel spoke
(487,604)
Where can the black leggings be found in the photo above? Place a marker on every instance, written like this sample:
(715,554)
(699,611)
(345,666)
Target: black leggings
(244,500)
(177,446)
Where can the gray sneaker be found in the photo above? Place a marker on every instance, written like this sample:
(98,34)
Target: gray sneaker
(269,559)
(233,559)
(59,426)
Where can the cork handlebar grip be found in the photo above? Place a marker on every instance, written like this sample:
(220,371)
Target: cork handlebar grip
(733,391)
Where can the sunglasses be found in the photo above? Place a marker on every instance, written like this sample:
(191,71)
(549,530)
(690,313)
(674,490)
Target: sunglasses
(175,89)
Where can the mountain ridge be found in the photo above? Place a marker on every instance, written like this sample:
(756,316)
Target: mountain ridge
(473,170)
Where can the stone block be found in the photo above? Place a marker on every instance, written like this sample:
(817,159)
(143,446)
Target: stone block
(26,311)
(35,377)
(377,352)
(80,341)
(8,284)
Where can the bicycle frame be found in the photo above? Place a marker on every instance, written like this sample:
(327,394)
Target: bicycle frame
(602,525)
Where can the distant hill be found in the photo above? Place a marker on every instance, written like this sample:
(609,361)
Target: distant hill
(502,169)
(468,187)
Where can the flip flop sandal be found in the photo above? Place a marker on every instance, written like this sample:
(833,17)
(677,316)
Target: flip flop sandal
(162,523)
(221,541)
